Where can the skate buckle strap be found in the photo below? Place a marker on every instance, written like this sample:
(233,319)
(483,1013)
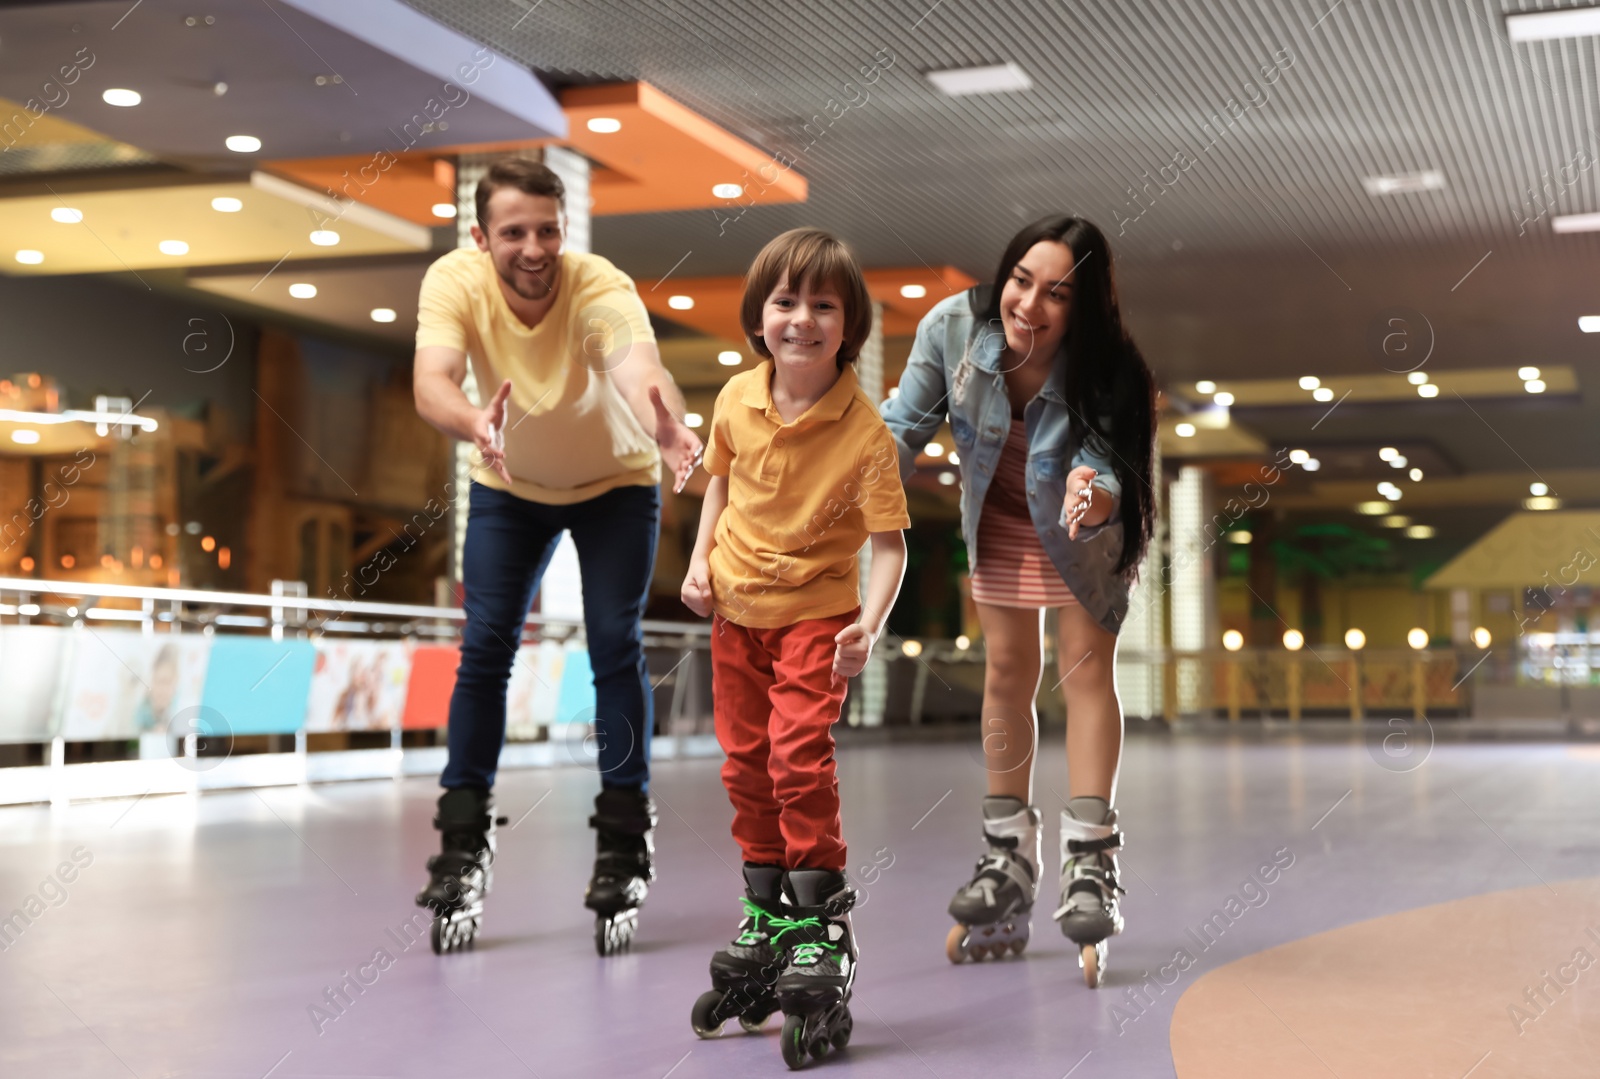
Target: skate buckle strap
(1095,846)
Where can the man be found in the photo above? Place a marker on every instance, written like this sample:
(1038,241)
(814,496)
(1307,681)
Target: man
(572,438)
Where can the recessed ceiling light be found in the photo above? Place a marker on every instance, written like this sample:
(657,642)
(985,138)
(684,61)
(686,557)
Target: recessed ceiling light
(1534,385)
(1373,509)
(325,238)
(444,209)
(1395,520)
(693,420)
(1589,323)
(727,191)
(242,144)
(1404,183)
(989,79)
(1299,457)
(604,125)
(122,99)
(1416,475)
(30,258)
(934,449)
(1388,453)
(225,204)
(680,303)
(66,215)
(1205,386)
(1575,223)
(173,247)
(1419,532)
(1546,503)
(1311,464)
(25,437)
(1322,393)
(1427,389)
(1224,398)
(1398,461)
(947,478)
(730,358)
(1538,490)
(1184,430)
(383,314)
(1525,373)
(1240,536)
(303,290)
(1417,378)
(1309,382)
(1549,25)
(913,292)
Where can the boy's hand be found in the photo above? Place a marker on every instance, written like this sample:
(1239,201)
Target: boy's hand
(854,647)
(696,591)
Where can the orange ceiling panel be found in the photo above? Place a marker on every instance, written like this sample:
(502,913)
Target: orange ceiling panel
(716,299)
(666,157)
(409,187)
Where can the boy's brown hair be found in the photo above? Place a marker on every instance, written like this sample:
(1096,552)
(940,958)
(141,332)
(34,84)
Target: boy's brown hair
(818,259)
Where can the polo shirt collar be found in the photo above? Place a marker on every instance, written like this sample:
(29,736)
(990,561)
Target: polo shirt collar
(831,406)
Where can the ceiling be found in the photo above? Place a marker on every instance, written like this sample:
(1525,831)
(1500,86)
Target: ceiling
(1222,145)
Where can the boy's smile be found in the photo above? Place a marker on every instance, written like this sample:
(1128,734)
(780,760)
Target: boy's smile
(803,326)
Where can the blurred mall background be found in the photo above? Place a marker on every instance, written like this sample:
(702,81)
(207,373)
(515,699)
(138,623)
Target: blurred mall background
(1354,245)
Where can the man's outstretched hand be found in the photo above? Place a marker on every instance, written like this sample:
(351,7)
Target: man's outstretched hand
(489,432)
(681,448)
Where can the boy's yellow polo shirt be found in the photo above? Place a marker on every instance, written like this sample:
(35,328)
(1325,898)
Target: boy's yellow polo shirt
(802,499)
(570,435)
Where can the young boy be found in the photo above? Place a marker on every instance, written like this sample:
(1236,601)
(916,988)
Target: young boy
(803,473)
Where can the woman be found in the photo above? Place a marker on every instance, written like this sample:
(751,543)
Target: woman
(1052,409)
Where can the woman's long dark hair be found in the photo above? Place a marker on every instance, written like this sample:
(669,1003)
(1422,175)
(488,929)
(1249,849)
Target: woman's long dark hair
(1109,390)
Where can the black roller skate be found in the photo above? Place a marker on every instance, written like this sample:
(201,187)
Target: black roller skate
(744,974)
(819,971)
(462,871)
(1089,889)
(994,910)
(624,822)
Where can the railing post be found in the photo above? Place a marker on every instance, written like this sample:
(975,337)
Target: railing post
(1234,704)
(1355,687)
(1294,688)
(1419,686)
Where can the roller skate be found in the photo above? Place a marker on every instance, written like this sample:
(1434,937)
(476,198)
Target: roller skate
(994,910)
(462,870)
(818,950)
(744,974)
(1089,889)
(624,822)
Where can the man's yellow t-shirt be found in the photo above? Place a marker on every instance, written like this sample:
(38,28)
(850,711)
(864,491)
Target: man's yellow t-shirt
(570,434)
(803,497)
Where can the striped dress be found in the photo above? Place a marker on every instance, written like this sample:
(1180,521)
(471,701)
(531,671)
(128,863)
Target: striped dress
(1011,568)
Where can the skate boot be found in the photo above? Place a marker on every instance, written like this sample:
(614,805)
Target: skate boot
(994,910)
(624,822)
(818,951)
(1088,914)
(743,974)
(462,870)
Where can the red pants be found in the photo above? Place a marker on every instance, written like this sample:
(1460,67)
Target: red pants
(775,703)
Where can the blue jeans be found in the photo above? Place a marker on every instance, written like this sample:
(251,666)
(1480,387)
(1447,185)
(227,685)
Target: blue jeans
(509,543)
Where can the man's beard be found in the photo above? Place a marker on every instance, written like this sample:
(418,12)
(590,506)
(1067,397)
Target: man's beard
(542,284)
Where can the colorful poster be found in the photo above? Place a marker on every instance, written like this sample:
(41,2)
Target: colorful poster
(33,660)
(358,685)
(433,679)
(125,684)
(534,690)
(255,685)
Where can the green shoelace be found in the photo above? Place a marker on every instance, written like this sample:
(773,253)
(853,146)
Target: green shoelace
(803,953)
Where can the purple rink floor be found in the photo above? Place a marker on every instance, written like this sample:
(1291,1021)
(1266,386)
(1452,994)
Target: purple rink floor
(203,930)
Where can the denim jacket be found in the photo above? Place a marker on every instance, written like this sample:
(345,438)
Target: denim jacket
(954,369)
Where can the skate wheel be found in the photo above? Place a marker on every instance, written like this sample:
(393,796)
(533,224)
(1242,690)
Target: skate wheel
(753,1024)
(1018,945)
(436,936)
(1092,958)
(841,1034)
(614,933)
(955,944)
(794,1050)
(703,1016)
